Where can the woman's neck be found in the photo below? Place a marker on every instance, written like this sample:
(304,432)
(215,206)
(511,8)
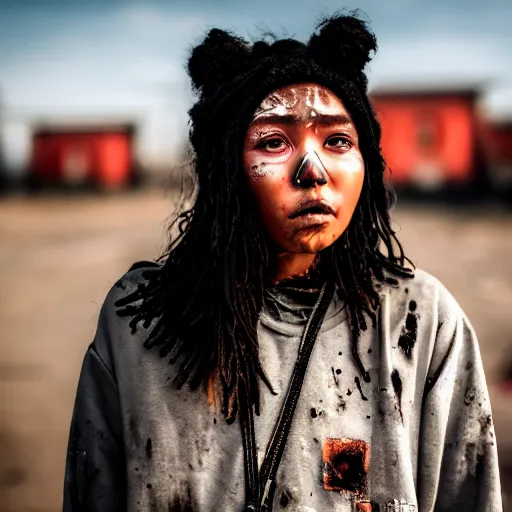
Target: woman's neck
(289,265)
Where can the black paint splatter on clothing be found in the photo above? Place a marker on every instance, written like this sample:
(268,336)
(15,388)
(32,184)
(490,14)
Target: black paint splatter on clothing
(134,431)
(313,413)
(334,376)
(397,386)
(349,392)
(341,404)
(183,501)
(358,384)
(409,334)
(469,396)
(286,498)
(485,423)
(149,448)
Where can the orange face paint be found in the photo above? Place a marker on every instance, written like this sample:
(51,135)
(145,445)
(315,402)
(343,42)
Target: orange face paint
(303,125)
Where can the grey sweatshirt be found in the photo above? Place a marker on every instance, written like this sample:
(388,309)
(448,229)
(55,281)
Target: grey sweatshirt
(417,437)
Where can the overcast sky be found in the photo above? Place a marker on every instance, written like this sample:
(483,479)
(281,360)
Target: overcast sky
(126,58)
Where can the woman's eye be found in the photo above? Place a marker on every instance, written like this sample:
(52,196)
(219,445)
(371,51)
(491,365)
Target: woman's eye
(339,143)
(273,145)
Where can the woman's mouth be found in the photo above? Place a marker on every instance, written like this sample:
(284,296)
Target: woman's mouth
(313,208)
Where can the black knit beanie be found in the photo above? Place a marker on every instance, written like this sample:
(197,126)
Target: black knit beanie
(232,77)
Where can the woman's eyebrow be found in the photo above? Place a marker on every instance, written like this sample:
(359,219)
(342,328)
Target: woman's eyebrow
(277,119)
(330,119)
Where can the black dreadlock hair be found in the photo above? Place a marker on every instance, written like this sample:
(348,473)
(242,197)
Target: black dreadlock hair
(207,296)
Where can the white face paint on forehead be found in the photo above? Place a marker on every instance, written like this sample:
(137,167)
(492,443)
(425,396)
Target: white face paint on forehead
(304,101)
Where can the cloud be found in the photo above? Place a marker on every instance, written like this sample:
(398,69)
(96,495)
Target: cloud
(145,19)
(438,56)
(130,56)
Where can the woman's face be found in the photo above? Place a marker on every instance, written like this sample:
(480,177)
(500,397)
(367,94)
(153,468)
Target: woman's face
(304,166)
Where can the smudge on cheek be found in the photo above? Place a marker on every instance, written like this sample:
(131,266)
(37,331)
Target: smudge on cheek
(260,170)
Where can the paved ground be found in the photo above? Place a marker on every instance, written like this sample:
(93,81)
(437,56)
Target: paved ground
(59,257)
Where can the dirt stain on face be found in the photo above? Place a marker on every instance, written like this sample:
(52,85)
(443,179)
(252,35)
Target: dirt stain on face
(291,123)
(260,170)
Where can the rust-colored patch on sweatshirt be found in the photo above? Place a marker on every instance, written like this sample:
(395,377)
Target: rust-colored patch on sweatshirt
(346,463)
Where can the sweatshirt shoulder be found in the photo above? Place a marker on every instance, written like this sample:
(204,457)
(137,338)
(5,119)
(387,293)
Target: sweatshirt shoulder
(128,283)
(113,330)
(431,288)
(425,303)
(426,293)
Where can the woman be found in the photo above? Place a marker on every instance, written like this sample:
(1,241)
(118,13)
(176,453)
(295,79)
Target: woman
(286,294)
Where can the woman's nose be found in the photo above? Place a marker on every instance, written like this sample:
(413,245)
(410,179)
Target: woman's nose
(310,171)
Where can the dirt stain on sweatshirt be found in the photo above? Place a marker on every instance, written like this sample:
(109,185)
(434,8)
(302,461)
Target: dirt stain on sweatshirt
(409,334)
(397,386)
(346,464)
(358,384)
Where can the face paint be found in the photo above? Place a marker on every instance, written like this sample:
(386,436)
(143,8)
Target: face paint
(306,101)
(304,167)
(310,169)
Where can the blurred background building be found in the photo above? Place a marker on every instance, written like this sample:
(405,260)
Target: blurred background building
(94,99)
(86,153)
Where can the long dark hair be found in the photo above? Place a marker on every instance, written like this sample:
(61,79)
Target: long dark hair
(206,298)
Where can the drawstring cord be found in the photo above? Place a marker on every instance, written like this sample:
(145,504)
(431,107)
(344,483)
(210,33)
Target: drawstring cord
(260,486)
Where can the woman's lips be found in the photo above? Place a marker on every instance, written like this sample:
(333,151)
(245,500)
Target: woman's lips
(313,209)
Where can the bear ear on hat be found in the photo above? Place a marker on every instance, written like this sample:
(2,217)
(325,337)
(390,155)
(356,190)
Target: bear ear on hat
(219,54)
(341,41)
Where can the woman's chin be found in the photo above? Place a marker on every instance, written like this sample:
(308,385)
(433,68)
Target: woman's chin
(315,244)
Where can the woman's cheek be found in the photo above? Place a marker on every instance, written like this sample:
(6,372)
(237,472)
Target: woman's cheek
(258,168)
(348,164)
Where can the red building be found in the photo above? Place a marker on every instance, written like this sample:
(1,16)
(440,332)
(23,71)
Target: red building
(98,154)
(430,137)
(499,152)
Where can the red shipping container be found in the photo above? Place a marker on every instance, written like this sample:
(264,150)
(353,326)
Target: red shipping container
(100,155)
(429,137)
